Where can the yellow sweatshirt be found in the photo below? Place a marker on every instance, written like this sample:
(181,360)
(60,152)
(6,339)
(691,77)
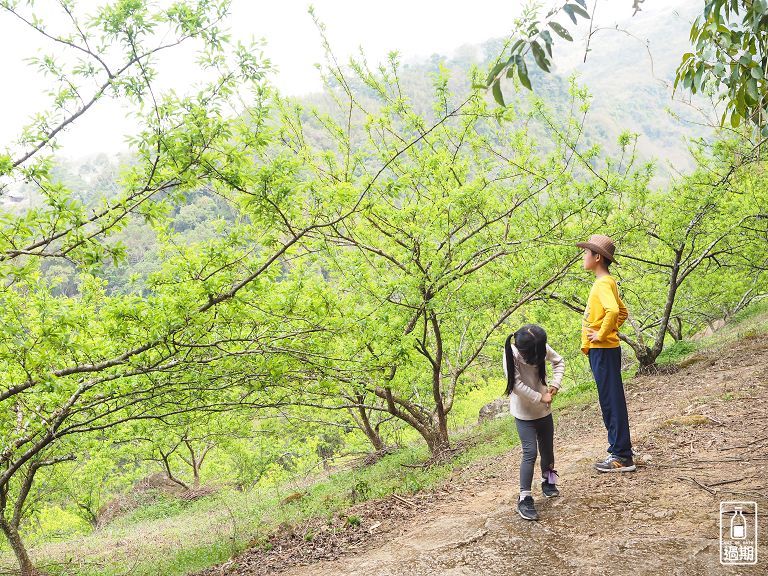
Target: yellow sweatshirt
(605,312)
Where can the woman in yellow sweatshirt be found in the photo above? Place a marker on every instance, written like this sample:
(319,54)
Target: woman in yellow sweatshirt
(604,314)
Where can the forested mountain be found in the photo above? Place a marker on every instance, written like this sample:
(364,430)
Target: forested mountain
(628,77)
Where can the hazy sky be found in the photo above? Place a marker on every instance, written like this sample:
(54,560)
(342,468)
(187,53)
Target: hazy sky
(414,28)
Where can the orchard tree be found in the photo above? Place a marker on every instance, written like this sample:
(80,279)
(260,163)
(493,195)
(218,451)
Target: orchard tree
(83,363)
(207,333)
(688,253)
(462,229)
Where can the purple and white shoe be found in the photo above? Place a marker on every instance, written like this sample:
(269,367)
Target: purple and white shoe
(548,486)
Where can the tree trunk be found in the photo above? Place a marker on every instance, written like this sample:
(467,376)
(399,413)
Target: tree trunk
(168,472)
(440,418)
(676,331)
(647,365)
(194,462)
(437,440)
(646,356)
(434,435)
(17,545)
(364,422)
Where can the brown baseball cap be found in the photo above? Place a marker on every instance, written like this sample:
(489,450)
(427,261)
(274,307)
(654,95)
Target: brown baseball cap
(601,244)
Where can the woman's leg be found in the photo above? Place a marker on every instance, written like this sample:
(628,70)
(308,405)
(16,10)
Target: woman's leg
(526,431)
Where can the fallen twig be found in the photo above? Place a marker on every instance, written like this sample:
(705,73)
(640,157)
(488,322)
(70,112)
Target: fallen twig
(747,445)
(699,484)
(404,501)
(726,482)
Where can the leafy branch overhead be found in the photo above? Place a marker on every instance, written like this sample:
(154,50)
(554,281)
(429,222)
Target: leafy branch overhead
(537,42)
(728,59)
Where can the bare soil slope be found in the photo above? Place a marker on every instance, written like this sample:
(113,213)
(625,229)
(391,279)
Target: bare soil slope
(701,437)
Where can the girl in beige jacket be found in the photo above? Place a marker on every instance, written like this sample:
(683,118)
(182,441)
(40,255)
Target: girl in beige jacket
(526,352)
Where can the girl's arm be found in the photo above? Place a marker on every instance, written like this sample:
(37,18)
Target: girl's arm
(558,366)
(521,388)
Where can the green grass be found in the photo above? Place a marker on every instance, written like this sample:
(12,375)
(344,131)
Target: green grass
(751,321)
(677,351)
(757,312)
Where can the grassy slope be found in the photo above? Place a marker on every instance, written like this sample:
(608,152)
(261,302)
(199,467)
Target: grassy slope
(172,537)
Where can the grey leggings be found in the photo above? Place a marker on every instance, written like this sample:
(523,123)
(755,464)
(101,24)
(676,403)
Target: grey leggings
(540,430)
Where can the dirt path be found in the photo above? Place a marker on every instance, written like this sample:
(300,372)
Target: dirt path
(704,424)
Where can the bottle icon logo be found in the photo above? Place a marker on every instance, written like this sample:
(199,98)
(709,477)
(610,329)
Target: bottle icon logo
(738,532)
(738,524)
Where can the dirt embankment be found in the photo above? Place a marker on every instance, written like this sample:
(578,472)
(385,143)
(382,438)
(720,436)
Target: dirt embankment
(700,436)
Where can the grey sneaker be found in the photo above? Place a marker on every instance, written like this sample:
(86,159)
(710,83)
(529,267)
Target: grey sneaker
(549,490)
(615,464)
(526,509)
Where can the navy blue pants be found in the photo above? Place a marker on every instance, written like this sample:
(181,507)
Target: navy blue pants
(606,368)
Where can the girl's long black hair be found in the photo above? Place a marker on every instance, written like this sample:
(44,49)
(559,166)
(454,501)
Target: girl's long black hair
(531,342)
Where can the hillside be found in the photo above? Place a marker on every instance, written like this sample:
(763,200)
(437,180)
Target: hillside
(699,437)
(693,430)
(629,70)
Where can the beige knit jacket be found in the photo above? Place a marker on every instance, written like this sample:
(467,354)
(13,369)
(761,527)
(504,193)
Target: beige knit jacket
(525,400)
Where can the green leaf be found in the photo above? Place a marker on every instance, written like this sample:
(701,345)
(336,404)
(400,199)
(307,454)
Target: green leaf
(687,79)
(6,164)
(495,71)
(497,95)
(547,37)
(752,90)
(568,8)
(560,31)
(697,78)
(522,72)
(579,10)
(741,102)
(539,56)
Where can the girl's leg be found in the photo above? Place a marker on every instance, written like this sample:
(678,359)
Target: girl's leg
(546,433)
(526,431)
